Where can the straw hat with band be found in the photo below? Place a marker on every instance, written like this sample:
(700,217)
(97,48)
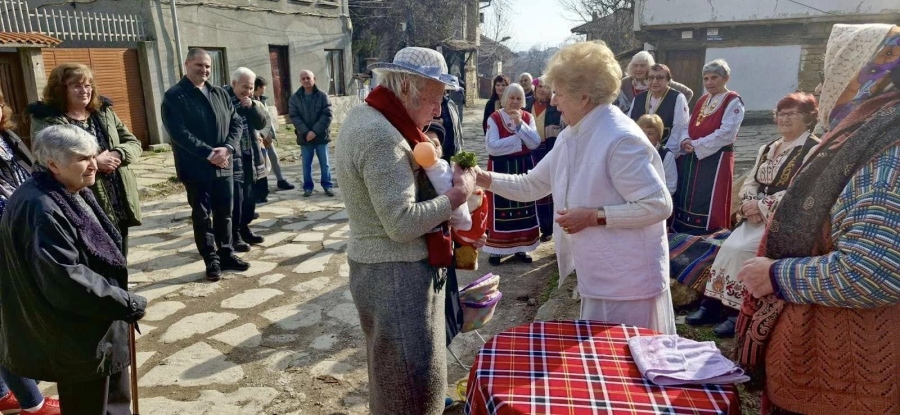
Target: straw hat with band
(424,62)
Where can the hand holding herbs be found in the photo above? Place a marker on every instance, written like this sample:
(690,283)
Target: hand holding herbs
(465,159)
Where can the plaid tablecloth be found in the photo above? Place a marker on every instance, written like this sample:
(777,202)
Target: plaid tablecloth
(578,367)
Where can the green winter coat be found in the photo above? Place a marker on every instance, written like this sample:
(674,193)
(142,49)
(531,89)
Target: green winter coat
(119,139)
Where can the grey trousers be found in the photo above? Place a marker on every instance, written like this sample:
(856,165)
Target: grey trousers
(401,309)
(273,160)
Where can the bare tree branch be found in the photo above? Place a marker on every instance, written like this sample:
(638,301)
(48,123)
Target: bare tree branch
(586,9)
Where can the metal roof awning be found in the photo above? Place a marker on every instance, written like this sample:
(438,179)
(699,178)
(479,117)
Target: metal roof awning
(27,40)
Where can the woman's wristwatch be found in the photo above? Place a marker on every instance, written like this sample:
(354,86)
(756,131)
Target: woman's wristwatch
(601,217)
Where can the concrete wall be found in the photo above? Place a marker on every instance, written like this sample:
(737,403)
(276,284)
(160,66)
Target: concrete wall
(245,36)
(761,74)
(306,27)
(685,12)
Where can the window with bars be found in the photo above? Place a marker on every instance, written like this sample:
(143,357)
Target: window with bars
(334,67)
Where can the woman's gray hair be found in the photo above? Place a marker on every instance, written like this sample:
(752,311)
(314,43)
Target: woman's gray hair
(512,89)
(61,143)
(642,56)
(397,82)
(718,67)
(242,72)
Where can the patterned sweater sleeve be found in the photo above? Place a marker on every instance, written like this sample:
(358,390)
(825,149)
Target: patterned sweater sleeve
(863,270)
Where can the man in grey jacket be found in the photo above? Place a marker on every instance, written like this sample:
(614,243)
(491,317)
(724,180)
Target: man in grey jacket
(310,112)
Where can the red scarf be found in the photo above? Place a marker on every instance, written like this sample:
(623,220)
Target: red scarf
(387,103)
(440,245)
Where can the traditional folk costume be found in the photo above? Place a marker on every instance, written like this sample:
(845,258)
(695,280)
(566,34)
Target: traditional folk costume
(493,105)
(632,87)
(672,108)
(512,226)
(604,161)
(545,115)
(826,340)
(776,165)
(703,199)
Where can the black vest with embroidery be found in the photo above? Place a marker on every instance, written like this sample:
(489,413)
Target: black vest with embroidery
(788,169)
(666,111)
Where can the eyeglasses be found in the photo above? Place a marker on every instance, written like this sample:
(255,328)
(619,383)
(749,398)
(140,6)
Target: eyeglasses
(787,115)
(657,77)
(83,87)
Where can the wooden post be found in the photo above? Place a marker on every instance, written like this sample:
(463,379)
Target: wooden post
(134,378)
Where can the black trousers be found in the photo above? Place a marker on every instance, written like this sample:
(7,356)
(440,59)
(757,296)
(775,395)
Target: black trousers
(244,205)
(123,230)
(211,205)
(261,189)
(105,396)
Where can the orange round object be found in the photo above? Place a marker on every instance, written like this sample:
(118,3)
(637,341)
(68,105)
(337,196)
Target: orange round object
(425,154)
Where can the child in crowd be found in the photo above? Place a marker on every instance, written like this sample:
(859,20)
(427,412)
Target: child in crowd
(653,128)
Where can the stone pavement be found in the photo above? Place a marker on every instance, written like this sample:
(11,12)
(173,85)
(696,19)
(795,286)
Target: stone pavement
(283,337)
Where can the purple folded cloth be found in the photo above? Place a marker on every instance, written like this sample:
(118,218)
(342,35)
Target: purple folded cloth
(669,360)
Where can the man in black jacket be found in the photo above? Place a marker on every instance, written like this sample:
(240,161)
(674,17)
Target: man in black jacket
(204,131)
(310,112)
(249,165)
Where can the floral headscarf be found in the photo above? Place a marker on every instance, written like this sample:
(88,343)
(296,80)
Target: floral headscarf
(858,63)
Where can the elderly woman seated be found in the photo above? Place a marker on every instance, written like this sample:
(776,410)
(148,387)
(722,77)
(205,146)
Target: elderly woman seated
(776,164)
(63,281)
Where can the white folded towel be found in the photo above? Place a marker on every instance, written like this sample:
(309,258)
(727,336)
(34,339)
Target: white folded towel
(669,360)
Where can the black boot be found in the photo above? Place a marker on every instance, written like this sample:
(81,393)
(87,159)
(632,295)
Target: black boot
(285,185)
(726,328)
(213,269)
(250,237)
(238,244)
(524,257)
(709,313)
(232,262)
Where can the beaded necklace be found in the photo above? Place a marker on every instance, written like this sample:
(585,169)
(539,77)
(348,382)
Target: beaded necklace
(710,107)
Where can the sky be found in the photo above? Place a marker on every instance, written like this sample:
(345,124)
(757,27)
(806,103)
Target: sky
(541,23)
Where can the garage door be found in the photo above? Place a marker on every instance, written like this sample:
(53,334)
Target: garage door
(117,76)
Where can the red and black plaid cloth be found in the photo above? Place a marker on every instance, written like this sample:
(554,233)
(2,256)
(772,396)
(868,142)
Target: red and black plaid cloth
(578,367)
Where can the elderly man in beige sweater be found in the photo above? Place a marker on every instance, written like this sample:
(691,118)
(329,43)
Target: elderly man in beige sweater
(395,276)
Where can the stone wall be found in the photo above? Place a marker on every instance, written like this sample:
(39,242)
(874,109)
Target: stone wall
(812,60)
(340,106)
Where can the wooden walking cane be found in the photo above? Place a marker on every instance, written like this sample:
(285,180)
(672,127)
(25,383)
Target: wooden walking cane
(132,348)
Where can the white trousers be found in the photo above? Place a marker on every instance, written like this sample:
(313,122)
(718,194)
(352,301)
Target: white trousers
(654,313)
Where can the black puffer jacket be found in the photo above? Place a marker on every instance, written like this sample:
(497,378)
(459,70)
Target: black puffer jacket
(310,113)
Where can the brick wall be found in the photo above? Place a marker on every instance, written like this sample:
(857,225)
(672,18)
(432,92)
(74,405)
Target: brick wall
(811,66)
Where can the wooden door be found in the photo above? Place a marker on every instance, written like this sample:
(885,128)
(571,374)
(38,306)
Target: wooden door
(687,68)
(11,83)
(117,76)
(281,77)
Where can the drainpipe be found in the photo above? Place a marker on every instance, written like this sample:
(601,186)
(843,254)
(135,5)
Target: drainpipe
(177,38)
